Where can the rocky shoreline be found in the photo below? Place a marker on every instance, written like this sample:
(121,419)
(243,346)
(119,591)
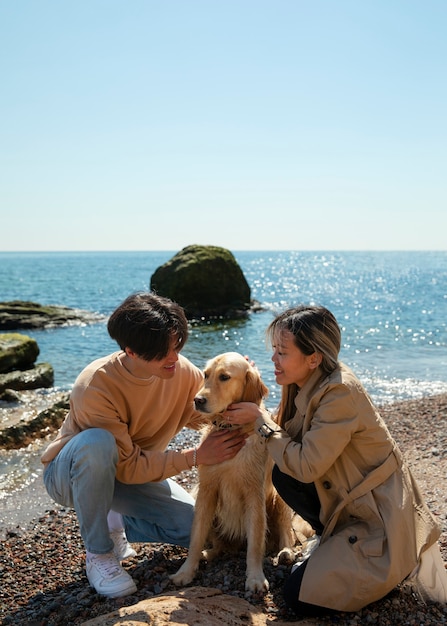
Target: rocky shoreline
(42,575)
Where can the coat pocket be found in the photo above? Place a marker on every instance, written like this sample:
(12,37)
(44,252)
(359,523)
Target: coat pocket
(363,527)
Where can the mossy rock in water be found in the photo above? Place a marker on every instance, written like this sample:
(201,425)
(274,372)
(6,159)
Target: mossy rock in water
(206,280)
(17,352)
(18,369)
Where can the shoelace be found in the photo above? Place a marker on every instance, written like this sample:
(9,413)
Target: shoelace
(107,565)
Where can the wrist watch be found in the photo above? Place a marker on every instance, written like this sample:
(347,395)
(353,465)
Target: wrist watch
(265,431)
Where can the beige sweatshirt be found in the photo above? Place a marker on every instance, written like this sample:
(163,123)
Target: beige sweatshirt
(142,414)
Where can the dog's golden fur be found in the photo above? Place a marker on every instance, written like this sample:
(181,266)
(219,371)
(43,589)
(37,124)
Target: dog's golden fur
(236,503)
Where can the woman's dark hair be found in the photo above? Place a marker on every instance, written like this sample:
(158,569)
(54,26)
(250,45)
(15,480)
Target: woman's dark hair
(146,323)
(314,329)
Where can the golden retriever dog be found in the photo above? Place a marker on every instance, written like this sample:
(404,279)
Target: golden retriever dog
(236,502)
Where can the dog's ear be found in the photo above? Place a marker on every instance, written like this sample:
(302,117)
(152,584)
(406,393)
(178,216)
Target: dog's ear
(254,390)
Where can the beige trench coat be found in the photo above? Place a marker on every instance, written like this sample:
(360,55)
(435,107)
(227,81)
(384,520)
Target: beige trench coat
(375,521)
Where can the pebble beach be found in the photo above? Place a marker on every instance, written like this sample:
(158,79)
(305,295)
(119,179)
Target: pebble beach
(42,559)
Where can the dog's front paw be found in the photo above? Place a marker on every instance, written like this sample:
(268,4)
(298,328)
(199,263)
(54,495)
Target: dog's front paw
(183,576)
(286,556)
(257,584)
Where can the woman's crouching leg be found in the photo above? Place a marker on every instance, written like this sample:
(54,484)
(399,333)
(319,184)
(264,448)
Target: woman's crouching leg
(292,591)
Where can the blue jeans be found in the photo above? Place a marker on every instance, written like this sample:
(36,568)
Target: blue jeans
(82,476)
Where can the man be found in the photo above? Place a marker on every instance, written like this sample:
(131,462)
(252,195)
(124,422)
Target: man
(109,460)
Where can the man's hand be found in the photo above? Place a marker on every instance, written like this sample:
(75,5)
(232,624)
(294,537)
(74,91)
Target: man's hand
(220,445)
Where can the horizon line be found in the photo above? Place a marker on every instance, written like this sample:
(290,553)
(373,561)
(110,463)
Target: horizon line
(174,250)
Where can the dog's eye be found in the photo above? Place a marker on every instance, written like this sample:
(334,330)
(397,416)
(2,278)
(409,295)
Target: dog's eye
(224,377)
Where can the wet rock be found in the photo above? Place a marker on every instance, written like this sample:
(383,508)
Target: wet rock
(18,314)
(38,377)
(49,420)
(18,370)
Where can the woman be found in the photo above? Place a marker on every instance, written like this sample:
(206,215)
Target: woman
(337,466)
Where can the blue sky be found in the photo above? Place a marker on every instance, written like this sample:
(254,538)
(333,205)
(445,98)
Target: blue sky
(248,124)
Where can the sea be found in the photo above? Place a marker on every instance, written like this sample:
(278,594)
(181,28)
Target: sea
(391,306)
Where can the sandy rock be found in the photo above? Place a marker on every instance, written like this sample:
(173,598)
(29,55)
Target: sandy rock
(194,606)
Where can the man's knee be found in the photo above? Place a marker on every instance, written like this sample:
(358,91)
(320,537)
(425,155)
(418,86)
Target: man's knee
(96,446)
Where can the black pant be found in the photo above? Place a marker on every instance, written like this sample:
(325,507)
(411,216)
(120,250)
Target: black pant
(303,499)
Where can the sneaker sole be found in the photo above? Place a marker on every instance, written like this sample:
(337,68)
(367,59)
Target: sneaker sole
(121,593)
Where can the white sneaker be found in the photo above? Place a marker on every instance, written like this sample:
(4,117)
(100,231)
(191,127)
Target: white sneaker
(308,547)
(430,578)
(106,575)
(121,547)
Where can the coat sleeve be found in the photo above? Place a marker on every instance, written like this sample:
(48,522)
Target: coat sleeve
(333,420)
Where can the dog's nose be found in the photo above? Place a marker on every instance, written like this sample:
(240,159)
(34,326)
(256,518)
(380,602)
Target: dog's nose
(199,402)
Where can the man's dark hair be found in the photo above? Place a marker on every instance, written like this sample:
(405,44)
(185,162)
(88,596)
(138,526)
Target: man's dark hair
(146,323)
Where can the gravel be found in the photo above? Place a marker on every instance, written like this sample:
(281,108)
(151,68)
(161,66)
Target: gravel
(42,564)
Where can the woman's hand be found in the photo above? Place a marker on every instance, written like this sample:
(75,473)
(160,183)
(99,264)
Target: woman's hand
(220,445)
(242,413)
